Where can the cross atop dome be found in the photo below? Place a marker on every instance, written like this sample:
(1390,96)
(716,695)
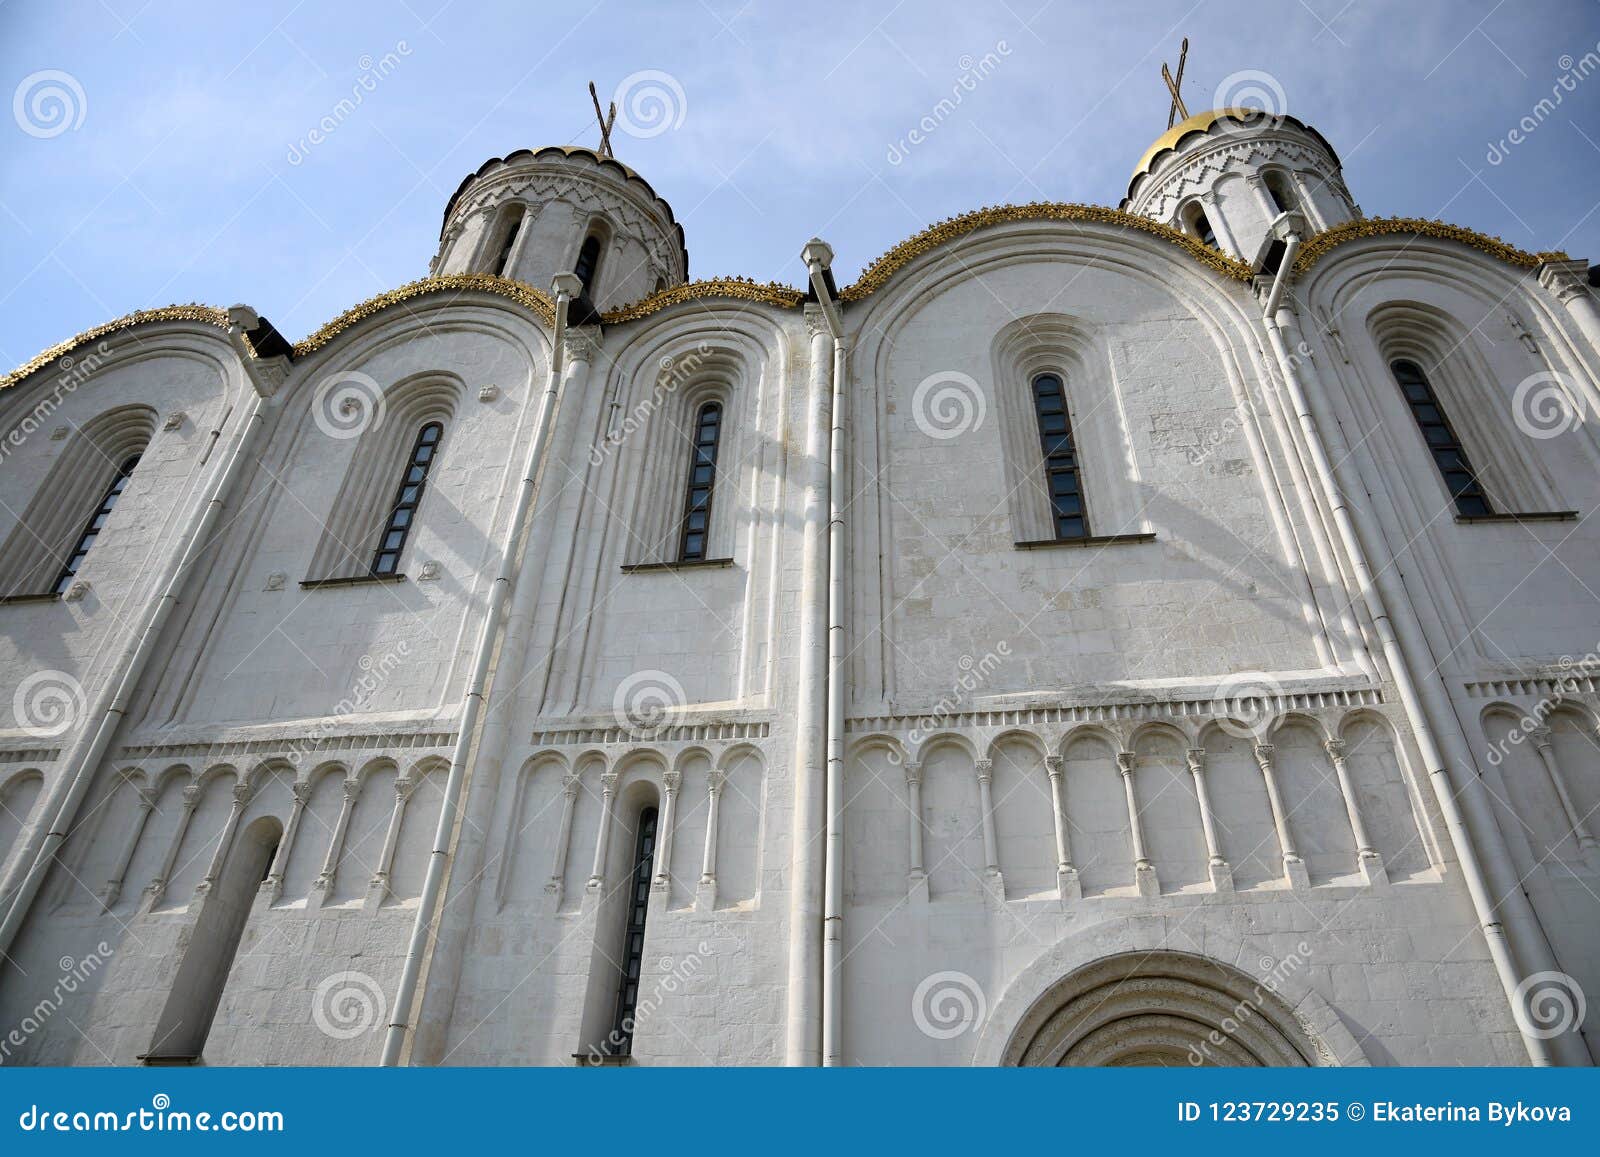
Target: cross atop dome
(610,118)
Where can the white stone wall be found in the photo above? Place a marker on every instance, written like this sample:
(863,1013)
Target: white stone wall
(1005,701)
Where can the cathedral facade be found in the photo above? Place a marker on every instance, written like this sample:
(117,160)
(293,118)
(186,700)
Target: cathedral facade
(1153,635)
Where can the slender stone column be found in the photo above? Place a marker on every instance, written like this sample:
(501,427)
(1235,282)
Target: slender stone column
(708,862)
(991,846)
(112,892)
(1307,203)
(1368,859)
(1258,186)
(243,793)
(602,842)
(913,770)
(1294,867)
(1547,755)
(705,893)
(1144,871)
(1068,886)
(1220,227)
(570,782)
(273,884)
(157,888)
(330,863)
(1221,871)
(378,886)
(670,783)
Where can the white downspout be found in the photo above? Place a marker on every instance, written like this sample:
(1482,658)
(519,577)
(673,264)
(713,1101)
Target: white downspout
(808,833)
(1472,870)
(566,286)
(83,761)
(818,258)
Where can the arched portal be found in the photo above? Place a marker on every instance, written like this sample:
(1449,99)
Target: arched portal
(1159,1008)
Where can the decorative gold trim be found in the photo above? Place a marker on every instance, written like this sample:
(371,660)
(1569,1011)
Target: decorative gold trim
(878,273)
(201,313)
(739,288)
(1329,239)
(873,278)
(520,292)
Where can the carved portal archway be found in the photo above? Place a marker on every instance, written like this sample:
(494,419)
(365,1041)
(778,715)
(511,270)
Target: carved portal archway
(1159,1008)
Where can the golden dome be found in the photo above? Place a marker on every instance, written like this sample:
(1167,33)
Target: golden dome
(1201,122)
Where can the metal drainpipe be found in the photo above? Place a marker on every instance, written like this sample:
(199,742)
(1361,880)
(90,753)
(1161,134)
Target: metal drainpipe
(81,764)
(566,287)
(818,258)
(1472,870)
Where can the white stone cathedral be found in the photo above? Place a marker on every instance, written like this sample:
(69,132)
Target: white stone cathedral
(1154,635)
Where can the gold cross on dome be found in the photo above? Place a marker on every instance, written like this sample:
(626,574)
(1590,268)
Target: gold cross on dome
(1174,85)
(606,121)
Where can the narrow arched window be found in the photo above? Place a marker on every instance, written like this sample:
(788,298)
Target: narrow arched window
(702,479)
(1199,224)
(403,514)
(633,934)
(96,522)
(508,242)
(588,262)
(1448,453)
(1278,190)
(1060,458)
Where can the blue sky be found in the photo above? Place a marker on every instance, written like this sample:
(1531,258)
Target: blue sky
(181,174)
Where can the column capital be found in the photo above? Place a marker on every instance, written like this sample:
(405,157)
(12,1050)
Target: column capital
(1053,765)
(1126,762)
(671,781)
(1335,748)
(147,798)
(913,770)
(985,770)
(1196,758)
(1567,280)
(243,793)
(608,783)
(715,779)
(816,321)
(351,788)
(569,784)
(1540,736)
(403,786)
(1263,752)
(582,343)
(191,797)
(301,791)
